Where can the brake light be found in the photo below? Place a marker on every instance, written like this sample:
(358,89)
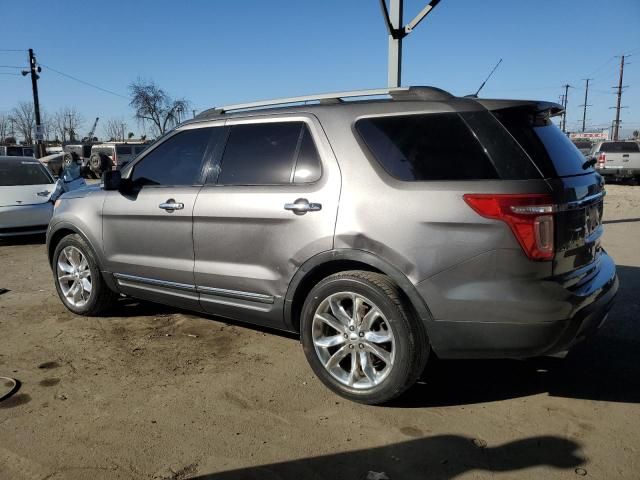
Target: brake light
(601,159)
(530,217)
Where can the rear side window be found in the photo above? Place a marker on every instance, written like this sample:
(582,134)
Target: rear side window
(436,146)
(620,147)
(269,154)
(178,160)
(550,149)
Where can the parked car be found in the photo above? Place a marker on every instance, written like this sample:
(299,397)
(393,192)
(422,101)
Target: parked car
(78,153)
(617,159)
(17,151)
(54,163)
(113,155)
(382,231)
(27,193)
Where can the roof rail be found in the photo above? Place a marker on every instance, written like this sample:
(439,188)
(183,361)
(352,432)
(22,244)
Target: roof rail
(400,93)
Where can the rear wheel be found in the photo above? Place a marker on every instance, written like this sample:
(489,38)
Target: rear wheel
(78,279)
(360,337)
(99,162)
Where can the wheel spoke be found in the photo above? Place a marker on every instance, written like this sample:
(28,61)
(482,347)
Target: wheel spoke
(331,321)
(353,374)
(368,319)
(337,357)
(367,367)
(378,337)
(84,265)
(357,307)
(86,284)
(379,352)
(66,278)
(338,311)
(332,341)
(64,266)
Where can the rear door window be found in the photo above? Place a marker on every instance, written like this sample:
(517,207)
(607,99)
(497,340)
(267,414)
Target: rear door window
(550,149)
(275,153)
(436,146)
(620,147)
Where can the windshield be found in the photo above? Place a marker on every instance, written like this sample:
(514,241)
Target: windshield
(26,172)
(620,147)
(549,148)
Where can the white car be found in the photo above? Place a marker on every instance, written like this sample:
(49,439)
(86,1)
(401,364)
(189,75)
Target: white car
(27,194)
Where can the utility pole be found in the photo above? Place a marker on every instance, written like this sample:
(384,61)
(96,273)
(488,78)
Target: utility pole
(564,105)
(393,20)
(34,69)
(585,105)
(620,87)
(194,113)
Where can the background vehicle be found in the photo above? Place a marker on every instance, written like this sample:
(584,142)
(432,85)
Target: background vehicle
(113,155)
(617,159)
(54,162)
(27,193)
(584,146)
(379,230)
(17,151)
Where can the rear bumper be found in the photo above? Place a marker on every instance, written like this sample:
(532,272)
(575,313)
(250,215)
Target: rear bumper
(590,304)
(619,172)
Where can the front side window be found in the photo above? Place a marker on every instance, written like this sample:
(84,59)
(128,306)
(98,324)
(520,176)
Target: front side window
(178,160)
(438,146)
(269,154)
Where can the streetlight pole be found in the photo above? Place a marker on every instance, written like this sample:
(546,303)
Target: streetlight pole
(393,21)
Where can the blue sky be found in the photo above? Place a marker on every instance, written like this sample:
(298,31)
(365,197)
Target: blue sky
(218,52)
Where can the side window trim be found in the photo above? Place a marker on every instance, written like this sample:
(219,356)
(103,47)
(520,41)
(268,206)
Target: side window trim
(296,153)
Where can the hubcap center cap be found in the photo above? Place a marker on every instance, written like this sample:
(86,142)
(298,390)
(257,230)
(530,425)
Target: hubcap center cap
(353,336)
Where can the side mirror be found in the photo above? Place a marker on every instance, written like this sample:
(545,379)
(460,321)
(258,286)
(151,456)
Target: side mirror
(111,180)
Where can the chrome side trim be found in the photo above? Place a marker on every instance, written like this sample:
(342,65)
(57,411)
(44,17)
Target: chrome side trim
(583,202)
(256,297)
(152,281)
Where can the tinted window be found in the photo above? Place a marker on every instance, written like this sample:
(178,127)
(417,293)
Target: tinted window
(426,147)
(140,149)
(106,150)
(123,149)
(178,160)
(23,173)
(620,147)
(548,147)
(260,154)
(308,167)
(27,152)
(14,151)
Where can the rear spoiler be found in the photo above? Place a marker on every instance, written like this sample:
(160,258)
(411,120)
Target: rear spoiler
(548,108)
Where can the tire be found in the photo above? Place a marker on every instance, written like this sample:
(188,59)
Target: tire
(99,162)
(396,331)
(95,298)
(67,161)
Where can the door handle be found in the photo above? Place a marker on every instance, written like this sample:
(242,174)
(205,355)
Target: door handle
(171,205)
(302,206)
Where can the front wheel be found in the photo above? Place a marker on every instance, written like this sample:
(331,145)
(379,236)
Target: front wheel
(78,279)
(361,338)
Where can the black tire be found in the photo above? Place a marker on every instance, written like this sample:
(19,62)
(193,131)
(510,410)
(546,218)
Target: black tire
(98,163)
(410,340)
(67,160)
(101,297)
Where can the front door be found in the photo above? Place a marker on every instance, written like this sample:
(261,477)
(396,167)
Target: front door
(271,206)
(148,230)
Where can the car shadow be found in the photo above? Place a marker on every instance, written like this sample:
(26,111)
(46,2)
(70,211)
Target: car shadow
(441,457)
(34,239)
(622,220)
(605,367)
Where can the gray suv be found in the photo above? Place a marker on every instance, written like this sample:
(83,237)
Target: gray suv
(383,226)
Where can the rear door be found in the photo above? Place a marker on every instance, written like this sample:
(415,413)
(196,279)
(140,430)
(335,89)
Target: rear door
(578,189)
(269,205)
(147,232)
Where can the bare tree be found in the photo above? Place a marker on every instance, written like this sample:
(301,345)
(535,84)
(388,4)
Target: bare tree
(115,129)
(24,119)
(155,107)
(4,127)
(67,123)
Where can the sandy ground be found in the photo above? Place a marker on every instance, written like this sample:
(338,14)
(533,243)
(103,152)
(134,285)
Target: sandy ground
(153,392)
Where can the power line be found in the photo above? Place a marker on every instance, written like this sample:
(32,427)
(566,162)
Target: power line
(10,66)
(12,50)
(83,81)
(10,73)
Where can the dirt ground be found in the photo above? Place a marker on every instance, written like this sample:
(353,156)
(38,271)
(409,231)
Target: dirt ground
(156,393)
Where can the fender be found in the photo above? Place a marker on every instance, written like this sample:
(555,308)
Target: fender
(361,256)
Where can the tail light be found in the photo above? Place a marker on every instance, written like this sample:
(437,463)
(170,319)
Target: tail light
(530,217)
(601,159)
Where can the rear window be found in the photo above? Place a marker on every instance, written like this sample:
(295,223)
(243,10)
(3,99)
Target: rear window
(14,173)
(105,150)
(550,149)
(436,146)
(620,147)
(123,149)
